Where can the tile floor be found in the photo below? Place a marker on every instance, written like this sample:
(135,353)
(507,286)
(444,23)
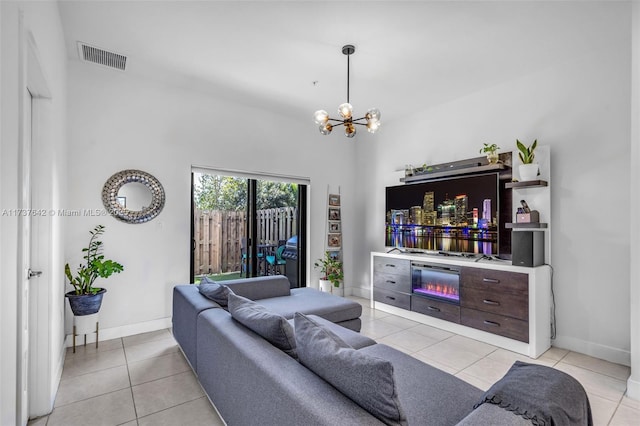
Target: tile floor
(145,380)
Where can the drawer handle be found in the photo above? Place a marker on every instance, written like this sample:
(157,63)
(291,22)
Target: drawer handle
(389,297)
(491,280)
(431,308)
(390,265)
(391,282)
(490,302)
(492,323)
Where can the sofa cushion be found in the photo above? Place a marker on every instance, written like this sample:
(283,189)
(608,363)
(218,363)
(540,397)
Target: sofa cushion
(367,380)
(349,336)
(272,327)
(429,396)
(214,291)
(257,288)
(310,301)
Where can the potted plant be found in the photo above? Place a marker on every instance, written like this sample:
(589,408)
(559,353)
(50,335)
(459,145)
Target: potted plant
(528,169)
(85,299)
(491,151)
(331,270)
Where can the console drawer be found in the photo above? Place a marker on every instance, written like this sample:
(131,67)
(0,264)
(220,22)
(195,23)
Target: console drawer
(393,298)
(437,309)
(496,324)
(389,265)
(392,282)
(498,281)
(514,305)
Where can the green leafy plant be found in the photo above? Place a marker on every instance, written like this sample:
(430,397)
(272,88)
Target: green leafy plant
(526,153)
(489,149)
(95,267)
(331,269)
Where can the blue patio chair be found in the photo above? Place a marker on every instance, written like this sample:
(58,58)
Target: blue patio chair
(276,261)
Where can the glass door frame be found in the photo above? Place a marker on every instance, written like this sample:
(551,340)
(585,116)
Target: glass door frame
(251,225)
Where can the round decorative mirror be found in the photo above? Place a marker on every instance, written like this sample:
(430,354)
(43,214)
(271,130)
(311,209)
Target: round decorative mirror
(133,196)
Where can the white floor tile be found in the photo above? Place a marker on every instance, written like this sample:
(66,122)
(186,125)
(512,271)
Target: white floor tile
(146,337)
(620,372)
(114,408)
(196,413)
(377,329)
(432,332)
(457,352)
(150,349)
(168,392)
(487,369)
(505,356)
(106,345)
(157,368)
(555,354)
(602,409)
(633,403)
(90,363)
(625,416)
(435,364)
(595,383)
(409,340)
(40,421)
(483,385)
(88,385)
(399,321)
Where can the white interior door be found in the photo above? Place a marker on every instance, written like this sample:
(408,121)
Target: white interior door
(24,241)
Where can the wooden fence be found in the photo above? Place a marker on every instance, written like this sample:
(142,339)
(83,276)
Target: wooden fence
(218,236)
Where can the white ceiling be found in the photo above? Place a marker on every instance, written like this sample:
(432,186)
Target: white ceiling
(409,56)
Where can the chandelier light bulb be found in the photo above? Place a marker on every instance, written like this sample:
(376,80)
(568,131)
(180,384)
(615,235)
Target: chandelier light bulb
(349,130)
(321,116)
(345,110)
(373,114)
(325,128)
(373,126)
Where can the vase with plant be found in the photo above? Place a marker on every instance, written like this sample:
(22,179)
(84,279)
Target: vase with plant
(85,299)
(491,151)
(528,169)
(331,269)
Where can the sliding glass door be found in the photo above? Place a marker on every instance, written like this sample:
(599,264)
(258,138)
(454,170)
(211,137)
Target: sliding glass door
(246,226)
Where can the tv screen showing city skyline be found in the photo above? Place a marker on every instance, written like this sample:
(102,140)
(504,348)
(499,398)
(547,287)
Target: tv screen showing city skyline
(453,214)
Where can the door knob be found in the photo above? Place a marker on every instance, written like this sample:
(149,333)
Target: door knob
(33,273)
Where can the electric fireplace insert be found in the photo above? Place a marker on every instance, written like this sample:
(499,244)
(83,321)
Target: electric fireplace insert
(436,282)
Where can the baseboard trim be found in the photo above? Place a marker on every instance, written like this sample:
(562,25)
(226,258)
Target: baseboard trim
(596,350)
(364,293)
(122,331)
(633,389)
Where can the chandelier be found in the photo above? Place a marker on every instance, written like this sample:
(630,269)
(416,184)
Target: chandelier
(326,123)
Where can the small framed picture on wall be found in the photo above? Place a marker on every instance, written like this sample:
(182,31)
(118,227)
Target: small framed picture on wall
(334,213)
(334,240)
(334,227)
(334,199)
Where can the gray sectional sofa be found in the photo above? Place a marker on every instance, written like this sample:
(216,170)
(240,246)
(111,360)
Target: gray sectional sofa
(252,382)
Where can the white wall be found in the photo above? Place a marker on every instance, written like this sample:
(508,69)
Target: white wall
(633,384)
(43,21)
(118,121)
(579,107)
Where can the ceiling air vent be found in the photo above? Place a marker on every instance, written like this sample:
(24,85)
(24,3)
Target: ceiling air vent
(101,56)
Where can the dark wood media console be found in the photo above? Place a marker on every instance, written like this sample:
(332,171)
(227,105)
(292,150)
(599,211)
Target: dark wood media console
(498,303)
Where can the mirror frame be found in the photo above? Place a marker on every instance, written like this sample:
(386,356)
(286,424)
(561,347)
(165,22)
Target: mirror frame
(117,181)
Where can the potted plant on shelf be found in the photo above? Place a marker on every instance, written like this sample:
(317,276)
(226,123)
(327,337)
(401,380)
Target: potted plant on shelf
(491,151)
(332,275)
(528,169)
(85,299)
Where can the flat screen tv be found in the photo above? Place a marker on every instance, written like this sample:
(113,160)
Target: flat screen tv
(451,215)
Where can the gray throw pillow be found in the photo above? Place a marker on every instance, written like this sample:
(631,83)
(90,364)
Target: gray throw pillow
(272,327)
(367,380)
(212,290)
